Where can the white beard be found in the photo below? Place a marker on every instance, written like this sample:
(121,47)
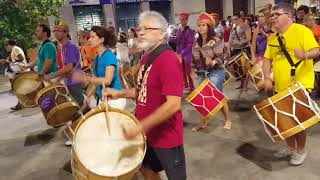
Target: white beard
(145,45)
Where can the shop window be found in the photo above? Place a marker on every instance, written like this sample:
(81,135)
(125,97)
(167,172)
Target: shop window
(88,16)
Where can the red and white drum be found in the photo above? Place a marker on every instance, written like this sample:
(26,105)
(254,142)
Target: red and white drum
(207,99)
(288,112)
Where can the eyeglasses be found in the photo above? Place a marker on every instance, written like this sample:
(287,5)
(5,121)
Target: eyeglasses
(275,15)
(234,19)
(138,29)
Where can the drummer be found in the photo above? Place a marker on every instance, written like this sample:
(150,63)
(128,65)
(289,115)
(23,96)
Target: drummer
(105,66)
(208,58)
(158,98)
(47,53)
(239,40)
(302,47)
(184,41)
(87,52)
(15,61)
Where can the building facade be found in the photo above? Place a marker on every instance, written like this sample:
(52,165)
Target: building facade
(123,14)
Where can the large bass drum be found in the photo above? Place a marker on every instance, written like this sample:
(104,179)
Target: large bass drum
(98,155)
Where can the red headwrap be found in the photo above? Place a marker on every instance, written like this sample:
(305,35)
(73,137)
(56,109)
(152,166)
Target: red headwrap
(184,15)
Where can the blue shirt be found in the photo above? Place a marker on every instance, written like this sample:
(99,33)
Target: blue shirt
(47,50)
(108,58)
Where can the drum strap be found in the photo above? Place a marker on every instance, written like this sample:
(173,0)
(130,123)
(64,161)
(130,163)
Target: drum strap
(288,57)
(236,33)
(153,56)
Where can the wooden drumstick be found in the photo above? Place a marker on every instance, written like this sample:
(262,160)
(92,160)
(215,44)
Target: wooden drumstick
(107,111)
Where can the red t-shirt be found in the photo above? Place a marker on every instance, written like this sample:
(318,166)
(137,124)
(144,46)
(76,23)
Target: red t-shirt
(163,78)
(60,58)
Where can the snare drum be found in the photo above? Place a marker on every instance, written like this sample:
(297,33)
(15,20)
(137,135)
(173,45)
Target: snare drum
(207,99)
(256,74)
(130,75)
(238,65)
(99,155)
(26,87)
(288,112)
(57,105)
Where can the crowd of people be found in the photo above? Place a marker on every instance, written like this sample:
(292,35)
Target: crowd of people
(194,55)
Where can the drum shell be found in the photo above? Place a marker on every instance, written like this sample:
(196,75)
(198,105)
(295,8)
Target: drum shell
(65,107)
(27,100)
(256,74)
(239,65)
(213,104)
(286,124)
(79,171)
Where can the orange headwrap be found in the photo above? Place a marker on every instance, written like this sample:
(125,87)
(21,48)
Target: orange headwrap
(206,18)
(215,16)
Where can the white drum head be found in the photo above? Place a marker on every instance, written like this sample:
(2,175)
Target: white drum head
(104,154)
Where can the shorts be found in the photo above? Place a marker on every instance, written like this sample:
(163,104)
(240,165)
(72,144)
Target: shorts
(77,92)
(171,160)
(216,76)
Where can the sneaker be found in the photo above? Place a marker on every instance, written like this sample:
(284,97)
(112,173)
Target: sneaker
(283,153)
(68,143)
(17,107)
(297,158)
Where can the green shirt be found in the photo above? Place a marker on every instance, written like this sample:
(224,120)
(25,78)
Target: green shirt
(47,50)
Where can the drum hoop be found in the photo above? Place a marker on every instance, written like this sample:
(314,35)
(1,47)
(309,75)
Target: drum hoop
(279,96)
(290,132)
(45,89)
(196,91)
(98,109)
(216,110)
(234,58)
(60,106)
(22,74)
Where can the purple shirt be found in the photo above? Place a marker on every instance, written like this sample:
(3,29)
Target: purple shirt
(185,39)
(71,54)
(262,43)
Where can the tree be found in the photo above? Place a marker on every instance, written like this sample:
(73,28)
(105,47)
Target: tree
(19,19)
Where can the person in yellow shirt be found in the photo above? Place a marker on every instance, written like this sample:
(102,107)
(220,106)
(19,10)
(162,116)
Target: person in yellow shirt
(302,47)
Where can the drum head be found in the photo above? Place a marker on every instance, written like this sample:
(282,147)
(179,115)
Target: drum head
(106,154)
(26,83)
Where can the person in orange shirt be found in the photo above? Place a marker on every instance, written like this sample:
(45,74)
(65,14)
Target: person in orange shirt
(88,53)
(310,22)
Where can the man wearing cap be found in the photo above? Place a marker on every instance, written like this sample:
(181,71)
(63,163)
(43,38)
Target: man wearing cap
(185,39)
(71,63)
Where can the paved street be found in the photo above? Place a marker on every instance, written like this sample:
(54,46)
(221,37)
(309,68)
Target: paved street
(31,150)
